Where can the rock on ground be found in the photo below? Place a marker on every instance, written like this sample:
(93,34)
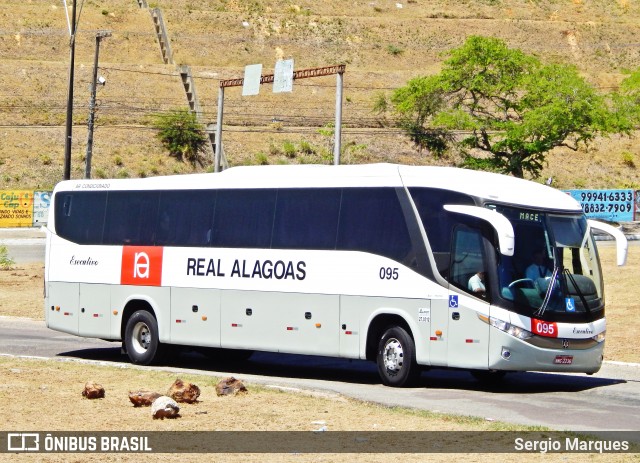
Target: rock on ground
(184,392)
(230,386)
(164,407)
(93,390)
(143,398)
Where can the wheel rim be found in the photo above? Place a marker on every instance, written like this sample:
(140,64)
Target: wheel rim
(393,355)
(141,337)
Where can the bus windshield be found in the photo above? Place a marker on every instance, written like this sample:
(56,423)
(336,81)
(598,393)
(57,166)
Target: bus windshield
(554,273)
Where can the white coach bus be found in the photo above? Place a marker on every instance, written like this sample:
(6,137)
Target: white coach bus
(364,262)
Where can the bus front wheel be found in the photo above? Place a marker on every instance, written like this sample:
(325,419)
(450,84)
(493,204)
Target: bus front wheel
(397,358)
(142,339)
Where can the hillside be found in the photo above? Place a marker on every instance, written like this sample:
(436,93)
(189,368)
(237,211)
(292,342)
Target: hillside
(383,44)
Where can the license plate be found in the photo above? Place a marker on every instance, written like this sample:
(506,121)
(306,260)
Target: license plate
(563,360)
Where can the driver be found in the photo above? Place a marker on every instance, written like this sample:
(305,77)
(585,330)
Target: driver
(537,269)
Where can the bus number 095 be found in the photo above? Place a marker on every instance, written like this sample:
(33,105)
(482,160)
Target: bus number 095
(388,273)
(548,329)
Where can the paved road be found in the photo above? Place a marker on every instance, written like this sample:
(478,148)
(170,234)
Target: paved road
(609,400)
(25,245)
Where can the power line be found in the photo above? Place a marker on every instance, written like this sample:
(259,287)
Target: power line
(138,71)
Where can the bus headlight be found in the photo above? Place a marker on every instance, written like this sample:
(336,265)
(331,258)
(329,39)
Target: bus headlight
(508,328)
(518,332)
(599,337)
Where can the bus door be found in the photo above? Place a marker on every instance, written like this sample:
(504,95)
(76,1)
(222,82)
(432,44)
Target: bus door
(468,335)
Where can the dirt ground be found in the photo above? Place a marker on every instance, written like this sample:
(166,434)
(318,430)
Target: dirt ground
(21,292)
(623,305)
(382,45)
(45,383)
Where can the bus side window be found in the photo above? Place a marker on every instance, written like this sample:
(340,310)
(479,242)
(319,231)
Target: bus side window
(467,259)
(79,217)
(185,218)
(371,220)
(244,218)
(437,222)
(131,219)
(306,218)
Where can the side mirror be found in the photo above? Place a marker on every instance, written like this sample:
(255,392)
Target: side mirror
(621,240)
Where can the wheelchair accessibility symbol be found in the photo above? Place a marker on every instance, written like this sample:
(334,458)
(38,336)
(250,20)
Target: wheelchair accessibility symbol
(453,301)
(570,304)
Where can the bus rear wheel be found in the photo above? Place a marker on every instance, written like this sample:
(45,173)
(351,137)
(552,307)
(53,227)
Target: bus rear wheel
(142,340)
(397,358)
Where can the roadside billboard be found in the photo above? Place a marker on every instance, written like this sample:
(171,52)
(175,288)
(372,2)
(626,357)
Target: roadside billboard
(24,208)
(41,200)
(609,205)
(16,208)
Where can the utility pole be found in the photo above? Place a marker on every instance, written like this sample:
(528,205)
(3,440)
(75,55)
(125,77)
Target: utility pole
(69,126)
(218,151)
(337,134)
(92,103)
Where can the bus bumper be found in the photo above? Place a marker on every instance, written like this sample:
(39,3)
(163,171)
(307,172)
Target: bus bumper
(511,354)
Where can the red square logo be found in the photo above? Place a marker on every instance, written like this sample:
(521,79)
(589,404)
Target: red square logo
(141,265)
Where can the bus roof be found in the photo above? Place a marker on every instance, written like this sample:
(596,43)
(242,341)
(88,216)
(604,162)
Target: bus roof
(489,186)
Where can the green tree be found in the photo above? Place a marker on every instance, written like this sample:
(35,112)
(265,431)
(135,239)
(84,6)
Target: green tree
(626,104)
(507,104)
(416,103)
(182,135)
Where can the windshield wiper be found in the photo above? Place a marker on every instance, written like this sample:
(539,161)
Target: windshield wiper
(547,296)
(552,283)
(578,291)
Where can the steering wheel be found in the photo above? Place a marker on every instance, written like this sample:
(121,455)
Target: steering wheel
(523,282)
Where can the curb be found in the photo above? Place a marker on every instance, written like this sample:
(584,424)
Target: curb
(622,364)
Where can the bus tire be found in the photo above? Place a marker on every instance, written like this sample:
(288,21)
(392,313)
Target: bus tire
(142,340)
(396,358)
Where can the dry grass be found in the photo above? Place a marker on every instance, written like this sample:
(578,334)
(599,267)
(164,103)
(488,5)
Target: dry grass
(261,409)
(258,410)
(21,291)
(21,296)
(623,304)
(209,36)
